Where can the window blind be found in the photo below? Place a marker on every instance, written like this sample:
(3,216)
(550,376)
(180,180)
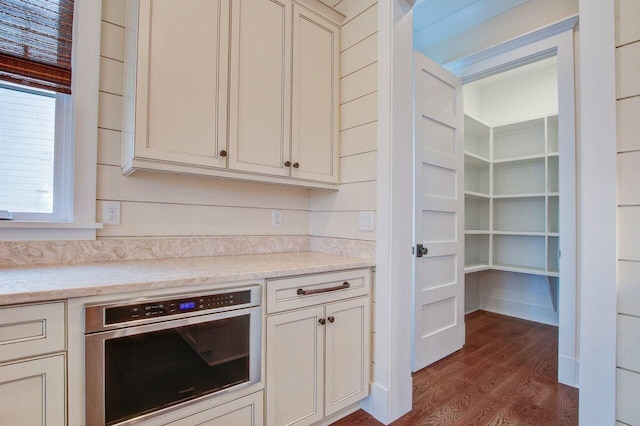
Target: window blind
(35,43)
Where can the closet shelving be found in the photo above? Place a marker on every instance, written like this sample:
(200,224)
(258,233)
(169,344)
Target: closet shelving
(511,196)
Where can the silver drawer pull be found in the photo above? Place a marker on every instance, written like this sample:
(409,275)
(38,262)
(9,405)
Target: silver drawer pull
(324,290)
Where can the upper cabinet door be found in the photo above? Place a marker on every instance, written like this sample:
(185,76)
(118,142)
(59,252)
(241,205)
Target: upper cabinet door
(181,108)
(260,88)
(314,150)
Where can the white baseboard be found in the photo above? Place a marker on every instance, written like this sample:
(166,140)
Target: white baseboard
(542,314)
(568,371)
(471,304)
(377,404)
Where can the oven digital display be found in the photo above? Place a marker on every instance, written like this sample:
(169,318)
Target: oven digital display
(187,305)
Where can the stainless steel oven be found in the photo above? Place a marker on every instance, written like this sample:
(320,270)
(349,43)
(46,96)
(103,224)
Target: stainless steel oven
(146,356)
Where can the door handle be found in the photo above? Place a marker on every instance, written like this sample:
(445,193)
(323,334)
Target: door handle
(421,250)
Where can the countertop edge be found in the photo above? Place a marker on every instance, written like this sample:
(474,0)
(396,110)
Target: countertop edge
(264,268)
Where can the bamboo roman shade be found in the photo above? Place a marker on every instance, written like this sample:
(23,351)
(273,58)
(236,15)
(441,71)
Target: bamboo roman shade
(35,43)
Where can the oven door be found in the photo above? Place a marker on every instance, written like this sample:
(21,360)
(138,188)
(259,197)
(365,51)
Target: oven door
(133,373)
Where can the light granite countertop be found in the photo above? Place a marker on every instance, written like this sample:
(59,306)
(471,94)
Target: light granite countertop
(55,282)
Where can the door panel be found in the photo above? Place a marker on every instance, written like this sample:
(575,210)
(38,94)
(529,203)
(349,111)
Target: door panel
(315,96)
(438,322)
(260,100)
(185,113)
(295,367)
(347,359)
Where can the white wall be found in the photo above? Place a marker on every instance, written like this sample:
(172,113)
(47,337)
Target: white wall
(628,105)
(516,96)
(167,205)
(335,214)
(519,295)
(472,292)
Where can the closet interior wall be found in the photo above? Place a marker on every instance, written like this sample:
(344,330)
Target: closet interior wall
(511,193)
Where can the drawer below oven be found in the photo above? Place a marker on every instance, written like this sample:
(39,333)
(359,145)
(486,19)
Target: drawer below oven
(308,290)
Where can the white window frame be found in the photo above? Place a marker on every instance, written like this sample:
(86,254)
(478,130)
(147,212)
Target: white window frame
(77,219)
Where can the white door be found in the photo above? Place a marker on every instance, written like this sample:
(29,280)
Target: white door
(438,319)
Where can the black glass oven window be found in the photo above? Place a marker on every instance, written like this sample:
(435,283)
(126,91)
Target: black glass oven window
(151,371)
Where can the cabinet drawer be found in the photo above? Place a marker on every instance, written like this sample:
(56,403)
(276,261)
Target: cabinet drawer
(246,411)
(31,330)
(299,292)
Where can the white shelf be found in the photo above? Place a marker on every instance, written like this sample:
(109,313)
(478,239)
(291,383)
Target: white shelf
(519,159)
(522,270)
(476,268)
(518,233)
(519,214)
(477,195)
(471,158)
(522,177)
(512,197)
(508,196)
(520,139)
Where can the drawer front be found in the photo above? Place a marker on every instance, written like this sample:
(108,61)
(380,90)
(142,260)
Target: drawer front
(246,411)
(31,330)
(299,292)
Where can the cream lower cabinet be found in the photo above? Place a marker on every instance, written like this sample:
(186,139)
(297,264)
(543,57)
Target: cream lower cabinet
(246,411)
(318,358)
(33,365)
(32,392)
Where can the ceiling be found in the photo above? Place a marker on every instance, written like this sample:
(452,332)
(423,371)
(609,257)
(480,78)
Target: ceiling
(437,20)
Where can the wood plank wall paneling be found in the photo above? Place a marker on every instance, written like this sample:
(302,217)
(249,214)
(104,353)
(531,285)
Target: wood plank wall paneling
(158,205)
(336,214)
(628,145)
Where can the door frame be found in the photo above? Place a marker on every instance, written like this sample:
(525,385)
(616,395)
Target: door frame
(553,40)
(391,381)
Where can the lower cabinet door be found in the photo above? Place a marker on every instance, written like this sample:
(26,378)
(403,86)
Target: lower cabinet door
(246,411)
(295,360)
(347,353)
(32,392)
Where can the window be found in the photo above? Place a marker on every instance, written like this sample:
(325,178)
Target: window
(49,118)
(35,82)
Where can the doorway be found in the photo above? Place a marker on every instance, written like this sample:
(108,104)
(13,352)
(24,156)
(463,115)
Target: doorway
(524,207)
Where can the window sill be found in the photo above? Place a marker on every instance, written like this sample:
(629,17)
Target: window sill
(21,230)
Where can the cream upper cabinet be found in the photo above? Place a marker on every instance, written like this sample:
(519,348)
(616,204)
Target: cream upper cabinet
(314,138)
(260,95)
(284,90)
(180,84)
(244,89)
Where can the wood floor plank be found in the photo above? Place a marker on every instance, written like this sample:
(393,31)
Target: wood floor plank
(506,374)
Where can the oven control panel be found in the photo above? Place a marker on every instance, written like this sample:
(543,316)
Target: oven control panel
(168,307)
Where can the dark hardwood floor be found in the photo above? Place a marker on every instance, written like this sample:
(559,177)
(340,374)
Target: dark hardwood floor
(506,374)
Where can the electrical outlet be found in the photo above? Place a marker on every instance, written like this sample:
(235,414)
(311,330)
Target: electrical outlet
(111,213)
(276,218)
(365,221)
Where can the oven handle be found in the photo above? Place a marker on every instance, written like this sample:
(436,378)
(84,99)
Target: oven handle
(343,286)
